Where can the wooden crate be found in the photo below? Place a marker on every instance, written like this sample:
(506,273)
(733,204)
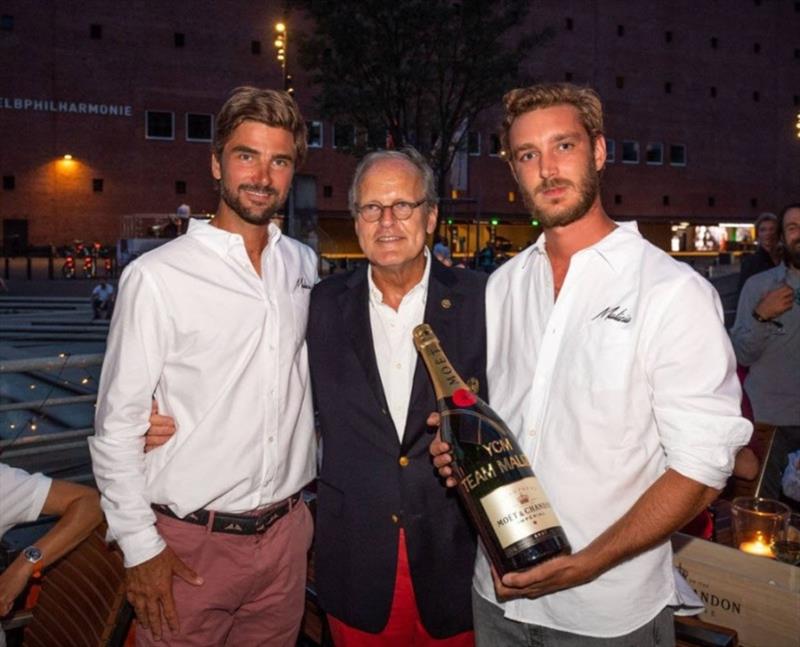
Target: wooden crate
(757,597)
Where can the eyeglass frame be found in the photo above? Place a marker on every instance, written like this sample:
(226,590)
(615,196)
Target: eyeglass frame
(391,207)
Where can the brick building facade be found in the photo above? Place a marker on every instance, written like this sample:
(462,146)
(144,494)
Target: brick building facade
(701,102)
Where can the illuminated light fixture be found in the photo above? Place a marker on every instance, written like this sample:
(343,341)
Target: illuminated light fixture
(67,157)
(454,194)
(494,222)
(280,27)
(512,196)
(534,223)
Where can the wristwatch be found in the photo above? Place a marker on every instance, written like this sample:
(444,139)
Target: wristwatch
(34,556)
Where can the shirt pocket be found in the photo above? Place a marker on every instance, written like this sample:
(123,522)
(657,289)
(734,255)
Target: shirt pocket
(601,356)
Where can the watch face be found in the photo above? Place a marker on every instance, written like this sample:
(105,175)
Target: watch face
(32,554)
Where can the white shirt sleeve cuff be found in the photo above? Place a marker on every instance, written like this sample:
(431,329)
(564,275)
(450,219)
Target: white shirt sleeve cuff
(141,546)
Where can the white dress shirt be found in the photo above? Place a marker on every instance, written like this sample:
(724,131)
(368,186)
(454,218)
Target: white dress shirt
(629,373)
(223,351)
(394,343)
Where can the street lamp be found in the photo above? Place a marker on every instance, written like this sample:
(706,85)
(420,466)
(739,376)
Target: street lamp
(281,48)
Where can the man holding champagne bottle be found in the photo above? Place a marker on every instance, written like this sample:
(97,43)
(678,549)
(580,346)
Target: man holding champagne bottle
(593,340)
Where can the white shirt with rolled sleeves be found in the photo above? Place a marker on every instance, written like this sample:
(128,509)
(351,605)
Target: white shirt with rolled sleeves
(223,351)
(629,373)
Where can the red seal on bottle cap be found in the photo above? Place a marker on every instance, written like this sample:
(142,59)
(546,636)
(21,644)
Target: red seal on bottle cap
(464,398)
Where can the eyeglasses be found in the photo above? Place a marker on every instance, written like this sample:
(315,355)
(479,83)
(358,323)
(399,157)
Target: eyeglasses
(402,210)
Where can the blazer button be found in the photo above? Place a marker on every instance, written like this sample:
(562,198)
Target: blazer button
(403,461)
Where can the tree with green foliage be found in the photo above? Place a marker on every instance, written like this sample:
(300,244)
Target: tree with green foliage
(414,71)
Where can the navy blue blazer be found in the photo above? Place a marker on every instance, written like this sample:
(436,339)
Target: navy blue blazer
(371,484)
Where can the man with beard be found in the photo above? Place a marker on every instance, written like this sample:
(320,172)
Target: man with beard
(212,325)
(593,341)
(766,334)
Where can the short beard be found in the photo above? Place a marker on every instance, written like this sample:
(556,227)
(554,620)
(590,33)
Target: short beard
(792,255)
(588,189)
(253,218)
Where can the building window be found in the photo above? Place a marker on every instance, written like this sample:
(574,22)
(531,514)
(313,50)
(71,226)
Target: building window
(494,145)
(617,198)
(95,32)
(654,153)
(714,42)
(569,24)
(180,187)
(677,154)
(630,152)
(756,96)
(180,39)
(796,99)
(611,150)
(713,92)
(9,182)
(327,191)
(255,47)
(712,201)
(159,125)
(797,53)
(473,142)
(620,30)
(7,22)
(314,134)
(568,77)
(620,82)
(667,36)
(344,135)
(668,88)
(754,202)
(97,185)
(665,200)
(756,48)
(199,127)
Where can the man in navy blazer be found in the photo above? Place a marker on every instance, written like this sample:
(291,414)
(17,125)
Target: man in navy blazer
(394,550)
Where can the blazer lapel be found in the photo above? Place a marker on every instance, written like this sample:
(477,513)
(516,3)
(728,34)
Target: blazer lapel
(355,317)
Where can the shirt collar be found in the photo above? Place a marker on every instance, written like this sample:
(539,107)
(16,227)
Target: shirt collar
(611,248)
(222,241)
(376,296)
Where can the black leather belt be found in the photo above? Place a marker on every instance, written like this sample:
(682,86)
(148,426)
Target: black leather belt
(236,524)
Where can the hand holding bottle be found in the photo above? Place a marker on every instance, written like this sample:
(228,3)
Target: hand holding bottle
(440,451)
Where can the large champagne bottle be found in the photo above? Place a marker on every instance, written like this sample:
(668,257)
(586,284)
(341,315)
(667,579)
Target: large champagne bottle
(495,481)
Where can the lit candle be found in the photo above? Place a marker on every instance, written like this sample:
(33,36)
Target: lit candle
(757,547)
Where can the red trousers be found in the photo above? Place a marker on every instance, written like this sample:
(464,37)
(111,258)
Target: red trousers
(404,628)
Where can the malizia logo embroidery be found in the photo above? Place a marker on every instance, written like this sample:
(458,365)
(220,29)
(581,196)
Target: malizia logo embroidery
(617,313)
